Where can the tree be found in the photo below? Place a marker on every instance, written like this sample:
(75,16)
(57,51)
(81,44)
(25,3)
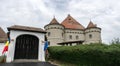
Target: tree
(115,41)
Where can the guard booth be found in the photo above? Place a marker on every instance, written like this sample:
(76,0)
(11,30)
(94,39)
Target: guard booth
(26,43)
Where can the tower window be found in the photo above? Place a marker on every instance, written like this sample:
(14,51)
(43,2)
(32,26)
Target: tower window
(48,33)
(48,42)
(90,36)
(77,37)
(70,36)
(62,34)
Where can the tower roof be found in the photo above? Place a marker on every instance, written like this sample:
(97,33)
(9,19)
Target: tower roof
(91,25)
(3,36)
(71,23)
(54,21)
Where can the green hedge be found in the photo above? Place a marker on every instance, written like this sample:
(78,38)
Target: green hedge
(88,55)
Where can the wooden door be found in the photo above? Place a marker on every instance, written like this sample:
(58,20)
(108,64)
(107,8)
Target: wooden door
(26,47)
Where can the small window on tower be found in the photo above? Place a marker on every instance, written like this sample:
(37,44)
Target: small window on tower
(62,34)
(48,42)
(77,37)
(70,36)
(48,33)
(90,36)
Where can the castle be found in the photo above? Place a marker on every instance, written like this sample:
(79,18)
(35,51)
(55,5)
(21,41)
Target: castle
(27,42)
(71,31)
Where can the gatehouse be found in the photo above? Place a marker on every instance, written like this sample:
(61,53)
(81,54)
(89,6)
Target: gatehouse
(26,43)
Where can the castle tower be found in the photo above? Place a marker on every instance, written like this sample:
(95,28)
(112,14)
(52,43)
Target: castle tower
(55,32)
(92,34)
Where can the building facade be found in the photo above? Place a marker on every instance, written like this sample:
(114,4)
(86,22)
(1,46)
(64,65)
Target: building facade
(71,30)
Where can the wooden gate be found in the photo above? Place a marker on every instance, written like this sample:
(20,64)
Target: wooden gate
(26,47)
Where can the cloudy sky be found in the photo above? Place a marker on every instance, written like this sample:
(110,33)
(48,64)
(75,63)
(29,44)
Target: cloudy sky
(37,13)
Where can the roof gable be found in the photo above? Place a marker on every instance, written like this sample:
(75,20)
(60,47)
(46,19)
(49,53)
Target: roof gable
(3,36)
(54,21)
(71,23)
(91,25)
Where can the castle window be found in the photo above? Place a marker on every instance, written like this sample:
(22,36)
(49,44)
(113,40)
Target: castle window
(90,36)
(77,37)
(48,33)
(48,42)
(62,34)
(70,36)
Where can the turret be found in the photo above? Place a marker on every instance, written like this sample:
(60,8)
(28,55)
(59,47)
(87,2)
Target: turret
(55,32)
(92,34)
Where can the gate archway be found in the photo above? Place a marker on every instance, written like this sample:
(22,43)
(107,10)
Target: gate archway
(26,47)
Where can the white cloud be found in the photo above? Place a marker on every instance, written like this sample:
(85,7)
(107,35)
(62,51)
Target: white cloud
(102,12)
(38,13)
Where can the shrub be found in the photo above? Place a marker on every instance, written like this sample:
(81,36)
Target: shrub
(89,55)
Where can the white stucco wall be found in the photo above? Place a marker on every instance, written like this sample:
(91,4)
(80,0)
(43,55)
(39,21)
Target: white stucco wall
(74,33)
(14,34)
(96,36)
(83,35)
(1,48)
(56,32)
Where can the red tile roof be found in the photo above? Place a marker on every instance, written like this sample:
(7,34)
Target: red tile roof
(71,23)
(26,28)
(3,36)
(54,21)
(91,25)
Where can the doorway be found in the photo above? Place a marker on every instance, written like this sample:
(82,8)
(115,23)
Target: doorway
(26,47)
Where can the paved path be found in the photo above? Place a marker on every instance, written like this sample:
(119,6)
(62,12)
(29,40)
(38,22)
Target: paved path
(27,64)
